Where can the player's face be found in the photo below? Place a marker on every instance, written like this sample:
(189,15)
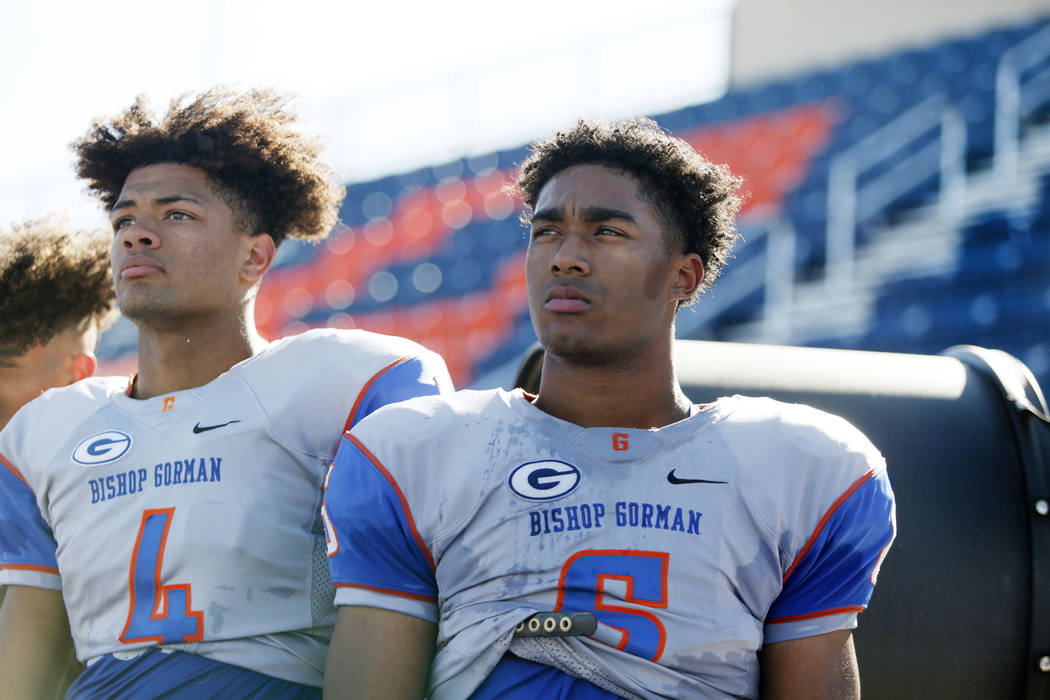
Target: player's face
(175,250)
(603,282)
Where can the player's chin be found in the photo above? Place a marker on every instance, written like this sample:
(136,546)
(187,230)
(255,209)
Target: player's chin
(138,306)
(578,347)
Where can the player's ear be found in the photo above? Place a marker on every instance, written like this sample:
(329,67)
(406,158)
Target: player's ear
(83,366)
(689,275)
(260,254)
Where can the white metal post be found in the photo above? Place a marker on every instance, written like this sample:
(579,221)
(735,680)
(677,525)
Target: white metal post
(842,223)
(953,164)
(1007,118)
(780,282)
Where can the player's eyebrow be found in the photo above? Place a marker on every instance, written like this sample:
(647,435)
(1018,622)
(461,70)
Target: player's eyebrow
(588,214)
(170,199)
(594,214)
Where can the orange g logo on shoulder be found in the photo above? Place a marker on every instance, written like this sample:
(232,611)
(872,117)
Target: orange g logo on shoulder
(169,403)
(620,442)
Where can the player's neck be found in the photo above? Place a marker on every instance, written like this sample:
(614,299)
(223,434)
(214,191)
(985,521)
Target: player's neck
(175,358)
(643,396)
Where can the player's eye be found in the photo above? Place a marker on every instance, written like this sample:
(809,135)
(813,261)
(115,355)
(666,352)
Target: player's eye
(177,215)
(122,223)
(542,231)
(606,231)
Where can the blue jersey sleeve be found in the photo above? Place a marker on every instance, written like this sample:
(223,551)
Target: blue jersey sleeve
(832,578)
(27,547)
(376,553)
(402,379)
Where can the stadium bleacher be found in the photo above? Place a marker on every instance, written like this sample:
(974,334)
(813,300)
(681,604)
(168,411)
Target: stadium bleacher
(999,295)
(436,254)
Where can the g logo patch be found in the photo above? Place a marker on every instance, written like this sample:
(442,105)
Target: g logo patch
(102,448)
(544,480)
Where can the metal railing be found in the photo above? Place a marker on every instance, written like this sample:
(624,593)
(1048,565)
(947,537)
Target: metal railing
(852,202)
(929,140)
(1018,93)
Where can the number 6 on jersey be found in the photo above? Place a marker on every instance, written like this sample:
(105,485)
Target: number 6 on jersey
(644,575)
(158,613)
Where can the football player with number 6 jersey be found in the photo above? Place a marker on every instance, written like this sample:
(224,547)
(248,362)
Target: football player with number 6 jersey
(606,537)
(175,517)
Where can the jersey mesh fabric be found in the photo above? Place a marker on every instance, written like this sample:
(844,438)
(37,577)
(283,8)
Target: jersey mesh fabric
(322,594)
(553,652)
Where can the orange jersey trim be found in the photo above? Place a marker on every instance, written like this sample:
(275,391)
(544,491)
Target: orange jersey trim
(810,616)
(14,471)
(364,390)
(824,521)
(397,489)
(30,567)
(885,550)
(389,591)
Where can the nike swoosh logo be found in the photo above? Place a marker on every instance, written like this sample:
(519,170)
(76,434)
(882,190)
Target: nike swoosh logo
(198,428)
(676,480)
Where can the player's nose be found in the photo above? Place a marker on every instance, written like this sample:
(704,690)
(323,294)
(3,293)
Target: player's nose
(137,236)
(570,256)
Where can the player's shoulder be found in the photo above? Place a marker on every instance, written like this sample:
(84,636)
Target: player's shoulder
(63,408)
(418,418)
(794,458)
(83,396)
(765,423)
(335,342)
(332,356)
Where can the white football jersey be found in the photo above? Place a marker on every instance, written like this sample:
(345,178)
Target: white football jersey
(751,521)
(191,520)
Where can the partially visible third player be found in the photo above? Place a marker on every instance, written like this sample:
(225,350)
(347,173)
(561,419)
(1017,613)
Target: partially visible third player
(56,297)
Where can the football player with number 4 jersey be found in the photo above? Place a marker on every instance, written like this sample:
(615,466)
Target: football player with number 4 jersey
(606,537)
(175,517)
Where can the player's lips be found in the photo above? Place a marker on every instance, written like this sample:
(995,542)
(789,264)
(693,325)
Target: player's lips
(135,266)
(566,299)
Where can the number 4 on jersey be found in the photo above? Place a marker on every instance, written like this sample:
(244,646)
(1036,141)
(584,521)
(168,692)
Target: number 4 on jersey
(158,613)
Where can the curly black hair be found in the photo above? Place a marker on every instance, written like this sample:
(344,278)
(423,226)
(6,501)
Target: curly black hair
(269,174)
(51,278)
(695,199)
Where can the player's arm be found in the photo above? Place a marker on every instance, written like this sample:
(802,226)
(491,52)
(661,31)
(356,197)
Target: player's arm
(385,580)
(808,650)
(818,667)
(36,650)
(378,654)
